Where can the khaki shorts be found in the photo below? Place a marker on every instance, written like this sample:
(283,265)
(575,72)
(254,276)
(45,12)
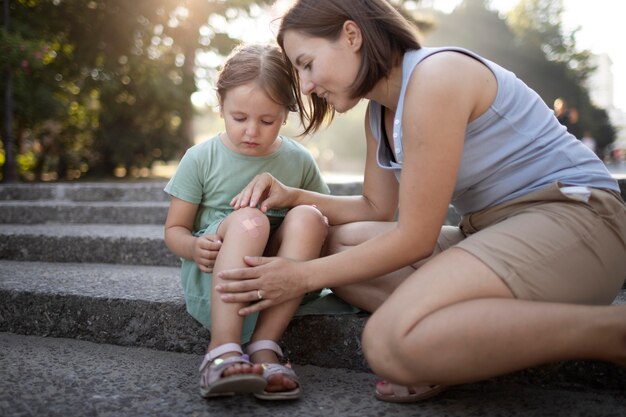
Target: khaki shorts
(548,247)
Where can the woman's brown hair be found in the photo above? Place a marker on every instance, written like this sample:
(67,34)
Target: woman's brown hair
(263,64)
(387,35)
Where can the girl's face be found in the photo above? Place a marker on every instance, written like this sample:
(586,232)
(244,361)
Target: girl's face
(252,120)
(326,68)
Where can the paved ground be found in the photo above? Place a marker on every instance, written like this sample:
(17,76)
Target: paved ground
(64,377)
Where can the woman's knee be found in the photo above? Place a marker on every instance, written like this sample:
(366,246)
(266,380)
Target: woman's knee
(380,346)
(388,351)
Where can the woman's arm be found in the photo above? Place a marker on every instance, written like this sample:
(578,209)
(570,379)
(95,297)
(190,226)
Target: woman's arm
(180,240)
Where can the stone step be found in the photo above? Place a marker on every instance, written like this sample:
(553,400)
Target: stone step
(139,191)
(144,307)
(133,305)
(97,243)
(86,191)
(100,212)
(63,377)
(72,212)
(114,191)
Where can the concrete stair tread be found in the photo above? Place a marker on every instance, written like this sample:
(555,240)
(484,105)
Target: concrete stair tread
(128,282)
(86,191)
(64,377)
(129,244)
(26,204)
(144,306)
(145,231)
(76,212)
(110,281)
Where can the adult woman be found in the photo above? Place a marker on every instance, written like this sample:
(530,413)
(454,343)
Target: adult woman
(543,233)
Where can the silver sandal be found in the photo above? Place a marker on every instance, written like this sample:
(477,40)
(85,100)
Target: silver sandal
(270,369)
(212,384)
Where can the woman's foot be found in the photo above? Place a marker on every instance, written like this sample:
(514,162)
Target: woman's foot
(386,391)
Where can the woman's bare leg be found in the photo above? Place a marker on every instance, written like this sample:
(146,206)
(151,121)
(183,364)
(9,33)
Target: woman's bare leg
(243,232)
(454,321)
(300,237)
(369,295)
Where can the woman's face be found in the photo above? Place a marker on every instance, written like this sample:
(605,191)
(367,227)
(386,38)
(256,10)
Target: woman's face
(326,68)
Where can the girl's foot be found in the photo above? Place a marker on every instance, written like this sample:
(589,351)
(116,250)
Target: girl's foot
(282,382)
(241,368)
(226,371)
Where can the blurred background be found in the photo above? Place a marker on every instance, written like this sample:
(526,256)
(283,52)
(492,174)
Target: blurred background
(102,89)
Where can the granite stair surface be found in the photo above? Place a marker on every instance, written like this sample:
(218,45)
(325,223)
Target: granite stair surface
(87,262)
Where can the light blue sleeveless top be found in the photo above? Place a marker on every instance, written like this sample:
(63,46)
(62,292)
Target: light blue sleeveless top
(517,146)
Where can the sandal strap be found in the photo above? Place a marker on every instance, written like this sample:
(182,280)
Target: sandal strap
(400,390)
(264,345)
(217,368)
(219,351)
(270,369)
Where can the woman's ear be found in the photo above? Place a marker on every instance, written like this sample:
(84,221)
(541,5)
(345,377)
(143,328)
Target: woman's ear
(352,33)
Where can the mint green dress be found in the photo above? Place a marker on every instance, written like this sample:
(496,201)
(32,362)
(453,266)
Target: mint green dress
(210,175)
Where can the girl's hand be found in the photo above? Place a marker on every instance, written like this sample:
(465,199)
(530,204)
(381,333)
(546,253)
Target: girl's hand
(205,251)
(266,190)
(276,280)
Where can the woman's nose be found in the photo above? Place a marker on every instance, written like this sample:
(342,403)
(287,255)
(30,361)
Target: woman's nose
(306,86)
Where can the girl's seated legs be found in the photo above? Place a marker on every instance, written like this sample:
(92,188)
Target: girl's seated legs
(300,237)
(243,232)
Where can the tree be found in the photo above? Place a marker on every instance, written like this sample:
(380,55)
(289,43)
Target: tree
(101,84)
(532,43)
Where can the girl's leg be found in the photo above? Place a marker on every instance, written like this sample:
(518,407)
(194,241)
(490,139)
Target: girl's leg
(300,237)
(454,321)
(243,232)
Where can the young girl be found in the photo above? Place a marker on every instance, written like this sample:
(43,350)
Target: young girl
(255,98)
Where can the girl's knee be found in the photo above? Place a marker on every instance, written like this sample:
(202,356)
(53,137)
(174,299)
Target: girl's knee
(306,219)
(249,220)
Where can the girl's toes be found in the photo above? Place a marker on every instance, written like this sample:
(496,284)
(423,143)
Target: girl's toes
(279,383)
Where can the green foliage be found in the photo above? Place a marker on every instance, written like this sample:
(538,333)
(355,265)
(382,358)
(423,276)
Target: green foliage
(99,84)
(532,43)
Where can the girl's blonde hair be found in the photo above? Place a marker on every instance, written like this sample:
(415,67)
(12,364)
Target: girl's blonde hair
(263,64)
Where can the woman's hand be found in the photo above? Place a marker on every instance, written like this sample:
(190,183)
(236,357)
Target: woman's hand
(205,250)
(266,190)
(268,282)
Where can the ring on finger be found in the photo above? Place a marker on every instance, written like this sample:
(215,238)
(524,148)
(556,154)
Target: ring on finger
(259,294)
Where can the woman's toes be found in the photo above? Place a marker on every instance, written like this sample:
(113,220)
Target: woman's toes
(384,388)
